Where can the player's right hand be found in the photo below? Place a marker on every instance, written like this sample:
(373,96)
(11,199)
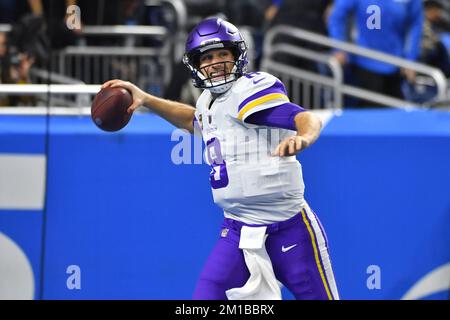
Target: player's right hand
(139,96)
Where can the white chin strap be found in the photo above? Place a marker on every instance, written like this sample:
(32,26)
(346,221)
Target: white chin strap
(221,88)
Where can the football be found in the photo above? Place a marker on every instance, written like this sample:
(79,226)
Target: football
(109,109)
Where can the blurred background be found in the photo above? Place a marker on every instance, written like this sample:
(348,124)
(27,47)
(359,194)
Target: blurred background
(86,214)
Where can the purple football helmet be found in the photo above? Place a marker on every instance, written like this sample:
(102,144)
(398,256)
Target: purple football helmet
(215,33)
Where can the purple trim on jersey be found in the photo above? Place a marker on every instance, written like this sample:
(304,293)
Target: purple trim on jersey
(281,116)
(277,87)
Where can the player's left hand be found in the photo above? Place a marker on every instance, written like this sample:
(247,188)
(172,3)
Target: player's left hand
(291,146)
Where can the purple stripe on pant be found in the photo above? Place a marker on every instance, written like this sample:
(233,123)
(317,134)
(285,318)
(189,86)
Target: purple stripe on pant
(290,249)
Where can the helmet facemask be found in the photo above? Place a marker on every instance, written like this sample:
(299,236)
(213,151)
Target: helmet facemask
(223,80)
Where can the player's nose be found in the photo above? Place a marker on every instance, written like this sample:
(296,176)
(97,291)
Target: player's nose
(216,59)
(218,65)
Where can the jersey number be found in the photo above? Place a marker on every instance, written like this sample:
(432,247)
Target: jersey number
(219,175)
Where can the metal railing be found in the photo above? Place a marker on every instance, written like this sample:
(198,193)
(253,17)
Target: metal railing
(179,9)
(128,32)
(40,76)
(308,88)
(32,89)
(125,30)
(5,27)
(61,95)
(339,89)
(147,67)
(141,66)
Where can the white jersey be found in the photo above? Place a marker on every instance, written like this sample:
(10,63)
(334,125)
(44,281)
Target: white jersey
(249,183)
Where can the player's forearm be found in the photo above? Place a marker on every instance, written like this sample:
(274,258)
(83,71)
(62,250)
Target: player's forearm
(179,114)
(308,126)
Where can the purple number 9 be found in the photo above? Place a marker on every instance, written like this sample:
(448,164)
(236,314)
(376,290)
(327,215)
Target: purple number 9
(219,175)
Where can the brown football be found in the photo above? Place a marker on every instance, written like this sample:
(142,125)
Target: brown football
(109,108)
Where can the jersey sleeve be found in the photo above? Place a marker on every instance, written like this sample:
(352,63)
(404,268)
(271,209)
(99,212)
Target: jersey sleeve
(261,91)
(282,116)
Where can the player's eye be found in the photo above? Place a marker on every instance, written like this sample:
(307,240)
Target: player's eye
(205,58)
(224,54)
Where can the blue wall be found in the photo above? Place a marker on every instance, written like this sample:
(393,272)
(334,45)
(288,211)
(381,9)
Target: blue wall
(140,227)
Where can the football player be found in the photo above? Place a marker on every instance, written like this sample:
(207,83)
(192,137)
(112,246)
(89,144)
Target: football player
(252,134)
